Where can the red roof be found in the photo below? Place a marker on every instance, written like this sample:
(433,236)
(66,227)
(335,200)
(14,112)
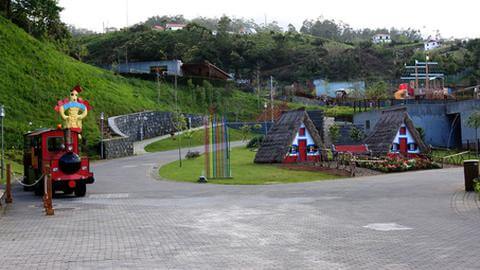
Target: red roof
(354,149)
(168,25)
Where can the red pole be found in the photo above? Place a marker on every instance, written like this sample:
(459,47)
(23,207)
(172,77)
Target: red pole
(47,197)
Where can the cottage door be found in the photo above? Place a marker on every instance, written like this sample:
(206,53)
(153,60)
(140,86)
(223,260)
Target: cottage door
(302,150)
(403,145)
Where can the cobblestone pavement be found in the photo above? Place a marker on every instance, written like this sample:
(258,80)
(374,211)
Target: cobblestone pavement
(418,220)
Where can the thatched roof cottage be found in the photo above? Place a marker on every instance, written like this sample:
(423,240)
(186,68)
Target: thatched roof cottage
(293,138)
(395,133)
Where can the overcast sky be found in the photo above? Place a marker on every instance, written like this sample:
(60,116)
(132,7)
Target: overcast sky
(457,18)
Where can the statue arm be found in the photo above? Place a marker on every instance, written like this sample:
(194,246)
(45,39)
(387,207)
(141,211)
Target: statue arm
(62,113)
(83,115)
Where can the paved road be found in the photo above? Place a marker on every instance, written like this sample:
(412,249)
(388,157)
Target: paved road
(419,220)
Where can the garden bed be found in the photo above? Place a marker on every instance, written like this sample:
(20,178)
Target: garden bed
(398,164)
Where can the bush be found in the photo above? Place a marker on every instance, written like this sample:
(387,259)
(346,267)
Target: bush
(192,154)
(255,142)
(476,185)
(356,134)
(334,132)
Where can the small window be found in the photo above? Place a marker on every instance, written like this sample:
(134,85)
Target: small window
(55,144)
(301,132)
(394,147)
(293,149)
(367,124)
(403,131)
(412,147)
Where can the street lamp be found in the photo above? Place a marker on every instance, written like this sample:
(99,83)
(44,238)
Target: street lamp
(2,115)
(265,106)
(102,117)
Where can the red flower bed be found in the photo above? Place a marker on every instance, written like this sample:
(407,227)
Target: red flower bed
(394,163)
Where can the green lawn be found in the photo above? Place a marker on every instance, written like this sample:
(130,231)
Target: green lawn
(437,156)
(244,171)
(17,169)
(197,139)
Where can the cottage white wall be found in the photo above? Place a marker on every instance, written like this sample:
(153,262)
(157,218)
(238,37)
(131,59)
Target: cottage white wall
(431,45)
(409,137)
(307,137)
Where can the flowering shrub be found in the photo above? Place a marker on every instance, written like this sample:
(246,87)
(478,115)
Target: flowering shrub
(400,164)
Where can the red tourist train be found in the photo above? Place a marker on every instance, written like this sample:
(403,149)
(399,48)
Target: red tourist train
(58,149)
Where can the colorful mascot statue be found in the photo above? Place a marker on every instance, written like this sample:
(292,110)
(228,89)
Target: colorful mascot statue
(73,110)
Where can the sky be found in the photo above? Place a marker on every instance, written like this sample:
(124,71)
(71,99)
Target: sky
(457,18)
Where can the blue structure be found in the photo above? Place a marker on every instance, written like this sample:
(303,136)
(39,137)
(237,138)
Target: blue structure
(170,67)
(444,123)
(326,88)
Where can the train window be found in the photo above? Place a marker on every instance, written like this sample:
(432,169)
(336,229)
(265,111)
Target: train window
(55,144)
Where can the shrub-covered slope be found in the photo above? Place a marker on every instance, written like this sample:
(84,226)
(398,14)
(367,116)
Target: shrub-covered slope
(34,75)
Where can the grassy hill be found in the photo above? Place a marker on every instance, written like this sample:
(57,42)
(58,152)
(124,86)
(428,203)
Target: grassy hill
(34,75)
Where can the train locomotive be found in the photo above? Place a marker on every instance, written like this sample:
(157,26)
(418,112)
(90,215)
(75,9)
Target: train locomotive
(59,149)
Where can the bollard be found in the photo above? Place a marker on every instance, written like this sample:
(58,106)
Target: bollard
(47,197)
(8,185)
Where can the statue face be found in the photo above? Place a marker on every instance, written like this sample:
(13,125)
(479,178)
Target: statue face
(73,95)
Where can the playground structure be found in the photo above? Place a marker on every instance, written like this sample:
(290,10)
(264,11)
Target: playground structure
(424,82)
(217,148)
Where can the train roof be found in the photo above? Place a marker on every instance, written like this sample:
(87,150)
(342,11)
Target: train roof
(42,131)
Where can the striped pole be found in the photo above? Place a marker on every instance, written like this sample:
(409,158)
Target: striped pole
(207,147)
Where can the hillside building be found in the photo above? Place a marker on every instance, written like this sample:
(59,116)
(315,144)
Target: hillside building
(381,38)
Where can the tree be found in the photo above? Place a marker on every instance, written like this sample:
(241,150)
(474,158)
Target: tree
(377,91)
(246,131)
(224,25)
(356,134)
(41,18)
(473,121)
(6,8)
(334,132)
(291,29)
(180,124)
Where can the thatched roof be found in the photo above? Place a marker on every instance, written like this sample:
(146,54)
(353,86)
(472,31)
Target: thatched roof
(280,136)
(380,140)
(317,119)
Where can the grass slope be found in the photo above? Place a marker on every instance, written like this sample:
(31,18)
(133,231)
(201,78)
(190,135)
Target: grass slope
(244,171)
(34,75)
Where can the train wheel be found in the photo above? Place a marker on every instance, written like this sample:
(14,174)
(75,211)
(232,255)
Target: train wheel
(80,189)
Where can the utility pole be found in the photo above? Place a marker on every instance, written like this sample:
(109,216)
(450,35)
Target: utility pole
(102,118)
(127,12)
(158,85)
(176,95)
(427,79)
(258,87)
(271,96)
(2,115)
(265,106)
(416,75)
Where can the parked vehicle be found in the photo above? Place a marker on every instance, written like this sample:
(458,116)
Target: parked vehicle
(57,149)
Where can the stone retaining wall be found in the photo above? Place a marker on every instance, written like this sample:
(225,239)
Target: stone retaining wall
(146,125)
(140,126)
(117,147)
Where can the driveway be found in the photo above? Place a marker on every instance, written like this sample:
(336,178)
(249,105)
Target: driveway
(416,220)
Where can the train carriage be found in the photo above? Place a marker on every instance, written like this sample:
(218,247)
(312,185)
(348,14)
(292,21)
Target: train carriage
(59,149)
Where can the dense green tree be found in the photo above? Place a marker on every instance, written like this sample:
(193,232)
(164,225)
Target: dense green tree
(41,18)
(377,91)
